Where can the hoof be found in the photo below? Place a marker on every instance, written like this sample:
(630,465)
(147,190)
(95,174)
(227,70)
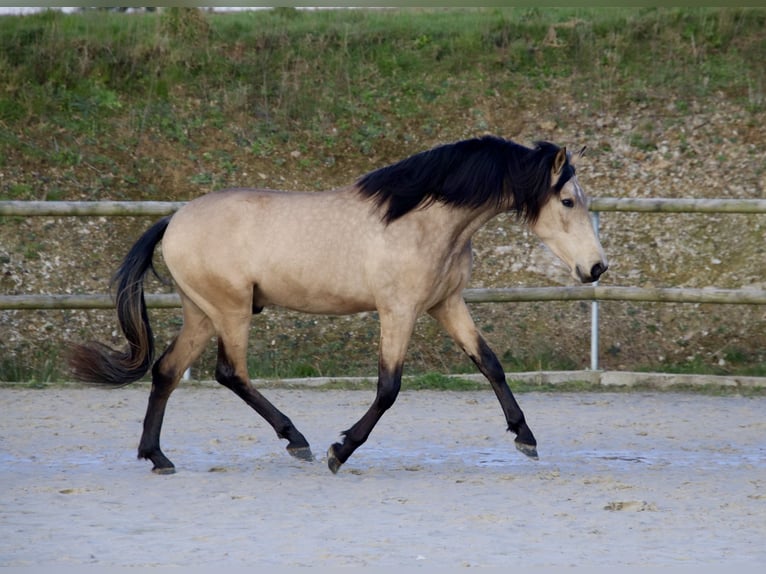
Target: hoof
(301,453)
(160,463)
(332,460)
(528,449)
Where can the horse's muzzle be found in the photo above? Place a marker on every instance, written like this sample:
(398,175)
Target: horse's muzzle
(596,271)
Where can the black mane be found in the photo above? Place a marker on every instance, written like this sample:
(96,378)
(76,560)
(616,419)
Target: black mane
(468,173)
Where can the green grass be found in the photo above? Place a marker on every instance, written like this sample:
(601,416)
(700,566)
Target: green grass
(380,72)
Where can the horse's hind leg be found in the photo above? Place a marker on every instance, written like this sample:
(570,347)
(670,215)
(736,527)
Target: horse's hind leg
(166,373)
(454,316)
(231,372)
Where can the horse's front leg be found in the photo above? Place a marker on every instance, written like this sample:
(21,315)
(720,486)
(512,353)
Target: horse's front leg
(395,332)
(454,316)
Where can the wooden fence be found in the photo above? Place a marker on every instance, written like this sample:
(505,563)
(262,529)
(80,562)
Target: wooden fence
(593,293)
(598,204)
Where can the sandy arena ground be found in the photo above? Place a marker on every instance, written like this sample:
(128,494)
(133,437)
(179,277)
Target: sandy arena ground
(623,479)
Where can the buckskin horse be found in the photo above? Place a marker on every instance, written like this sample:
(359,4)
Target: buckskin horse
(397,241)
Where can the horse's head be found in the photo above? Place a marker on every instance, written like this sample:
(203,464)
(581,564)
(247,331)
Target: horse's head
(564,223)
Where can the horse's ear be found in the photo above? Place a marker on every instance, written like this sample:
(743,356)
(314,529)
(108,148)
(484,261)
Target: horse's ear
(559,161)
(578,155)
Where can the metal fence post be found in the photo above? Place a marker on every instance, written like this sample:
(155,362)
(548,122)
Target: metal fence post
(594,312)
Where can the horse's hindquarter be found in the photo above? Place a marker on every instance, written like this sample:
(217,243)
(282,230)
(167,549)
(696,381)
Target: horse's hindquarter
(321,252)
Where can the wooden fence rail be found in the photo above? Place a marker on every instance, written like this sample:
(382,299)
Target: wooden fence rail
(85,208)
(671,205)
(499,295)
(598,204)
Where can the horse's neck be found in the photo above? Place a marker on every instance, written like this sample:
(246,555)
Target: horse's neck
(457,225)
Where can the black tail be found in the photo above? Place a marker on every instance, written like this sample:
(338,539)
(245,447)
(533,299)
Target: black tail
(97,363)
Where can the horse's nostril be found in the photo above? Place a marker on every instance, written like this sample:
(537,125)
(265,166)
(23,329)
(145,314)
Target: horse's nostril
(597,271)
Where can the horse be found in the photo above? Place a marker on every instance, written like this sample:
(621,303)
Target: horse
(396,241)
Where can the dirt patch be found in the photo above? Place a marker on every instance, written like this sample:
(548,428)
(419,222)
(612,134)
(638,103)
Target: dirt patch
(623,479)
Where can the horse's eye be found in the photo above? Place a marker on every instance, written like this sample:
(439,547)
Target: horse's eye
(568,202)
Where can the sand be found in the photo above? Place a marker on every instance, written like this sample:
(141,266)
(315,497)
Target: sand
(623,479)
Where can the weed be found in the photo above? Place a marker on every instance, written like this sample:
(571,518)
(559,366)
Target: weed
(41,368)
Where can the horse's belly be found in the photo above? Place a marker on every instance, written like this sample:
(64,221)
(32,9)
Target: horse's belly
(300,296)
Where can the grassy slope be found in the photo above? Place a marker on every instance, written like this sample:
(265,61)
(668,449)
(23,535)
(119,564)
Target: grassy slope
(105,90)
(172,105)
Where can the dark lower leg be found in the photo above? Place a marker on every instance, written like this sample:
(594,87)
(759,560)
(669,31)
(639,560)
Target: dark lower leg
(488,364)
(149,447)
(225,374)
(389,384)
